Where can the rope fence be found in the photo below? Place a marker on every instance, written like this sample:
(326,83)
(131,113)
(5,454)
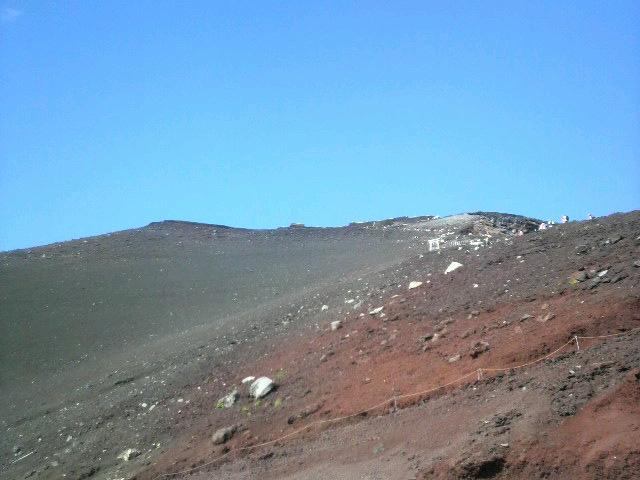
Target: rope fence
(394,400)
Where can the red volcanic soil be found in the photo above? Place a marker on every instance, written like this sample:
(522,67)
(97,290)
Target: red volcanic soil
(572,415)
(371,361)
(474,374)
(601,441)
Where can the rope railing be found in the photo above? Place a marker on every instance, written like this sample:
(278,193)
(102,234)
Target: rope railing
(393,400)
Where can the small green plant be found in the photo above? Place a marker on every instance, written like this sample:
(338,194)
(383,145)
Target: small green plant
(246,410)
(278,403)
(257,403)
(220,404)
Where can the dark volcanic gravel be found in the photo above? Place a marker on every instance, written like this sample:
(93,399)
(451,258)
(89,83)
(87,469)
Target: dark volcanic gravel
(127,340)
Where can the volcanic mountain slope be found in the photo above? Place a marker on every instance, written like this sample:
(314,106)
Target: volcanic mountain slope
(253,303)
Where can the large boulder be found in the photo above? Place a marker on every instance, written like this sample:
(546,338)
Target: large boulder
(261,387)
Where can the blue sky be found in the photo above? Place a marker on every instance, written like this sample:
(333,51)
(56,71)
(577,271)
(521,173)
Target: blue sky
(258,114)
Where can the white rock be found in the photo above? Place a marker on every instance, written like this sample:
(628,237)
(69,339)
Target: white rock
(452,266)
(414,284)
(324,307)
(376,310)
(261,387)
(129,454)
(246,380)
(336,325)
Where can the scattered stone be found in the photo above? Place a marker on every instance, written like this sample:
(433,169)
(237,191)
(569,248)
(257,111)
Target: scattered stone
(593,283)
(414,284)
(602,273)
(336,325)
(467,333)
(525,317)
(223,435)
(614,239)
(479,348)
(578,277)
(636,263)
(86,472)
(306,411)
(123,381)
(455,358)
(618,278)
(324,307)
(546,318)
(230,399)
(475,313)
(261,387)
(479,467)
(581,249)
(129,454)
(246,380)
(452,266)
(376,310)
(426,338)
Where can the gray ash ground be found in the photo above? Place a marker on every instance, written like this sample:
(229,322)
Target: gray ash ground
(127,341)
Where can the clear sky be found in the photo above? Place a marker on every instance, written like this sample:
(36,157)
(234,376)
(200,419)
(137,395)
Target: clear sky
(258,114)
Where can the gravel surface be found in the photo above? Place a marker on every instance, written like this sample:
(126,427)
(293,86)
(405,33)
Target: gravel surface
(128,340)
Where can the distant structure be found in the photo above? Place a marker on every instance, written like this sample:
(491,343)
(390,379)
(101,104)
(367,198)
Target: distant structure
(590,216)
(296,225)
(436,244)
(564,219)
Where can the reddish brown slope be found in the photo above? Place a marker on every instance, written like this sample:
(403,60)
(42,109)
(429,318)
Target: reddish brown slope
(521,311)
